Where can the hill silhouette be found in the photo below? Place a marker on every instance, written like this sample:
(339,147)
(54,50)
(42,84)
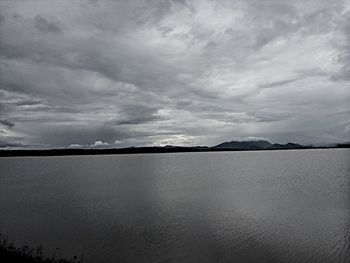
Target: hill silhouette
(225,146)
(257,145)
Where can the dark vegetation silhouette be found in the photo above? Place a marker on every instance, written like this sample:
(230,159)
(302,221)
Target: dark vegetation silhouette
(10,253)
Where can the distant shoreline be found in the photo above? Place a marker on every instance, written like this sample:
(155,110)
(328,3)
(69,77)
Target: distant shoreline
(141,150)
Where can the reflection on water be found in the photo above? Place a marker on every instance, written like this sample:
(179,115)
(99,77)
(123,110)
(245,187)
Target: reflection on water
(268,206)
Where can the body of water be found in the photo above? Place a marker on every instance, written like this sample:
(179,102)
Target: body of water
(262,206)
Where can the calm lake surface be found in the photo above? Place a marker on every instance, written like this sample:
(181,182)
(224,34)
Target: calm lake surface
(263,206)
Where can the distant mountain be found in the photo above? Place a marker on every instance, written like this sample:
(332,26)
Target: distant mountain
(245,145)
(256,145)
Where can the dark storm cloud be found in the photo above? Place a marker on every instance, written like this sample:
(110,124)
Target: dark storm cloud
(121,73)
(278,83)
(84,135)
(138,114)
(9,144)
(27,102)
(7,123)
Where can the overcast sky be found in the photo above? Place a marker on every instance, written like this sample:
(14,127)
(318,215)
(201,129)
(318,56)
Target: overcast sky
(134,73)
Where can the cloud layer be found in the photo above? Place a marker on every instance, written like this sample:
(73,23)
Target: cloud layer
(123,73)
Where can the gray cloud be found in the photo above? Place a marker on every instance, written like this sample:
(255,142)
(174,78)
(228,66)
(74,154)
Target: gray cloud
(173,72)
(45,26)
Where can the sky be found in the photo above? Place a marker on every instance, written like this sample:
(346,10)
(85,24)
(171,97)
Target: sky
(101,74)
